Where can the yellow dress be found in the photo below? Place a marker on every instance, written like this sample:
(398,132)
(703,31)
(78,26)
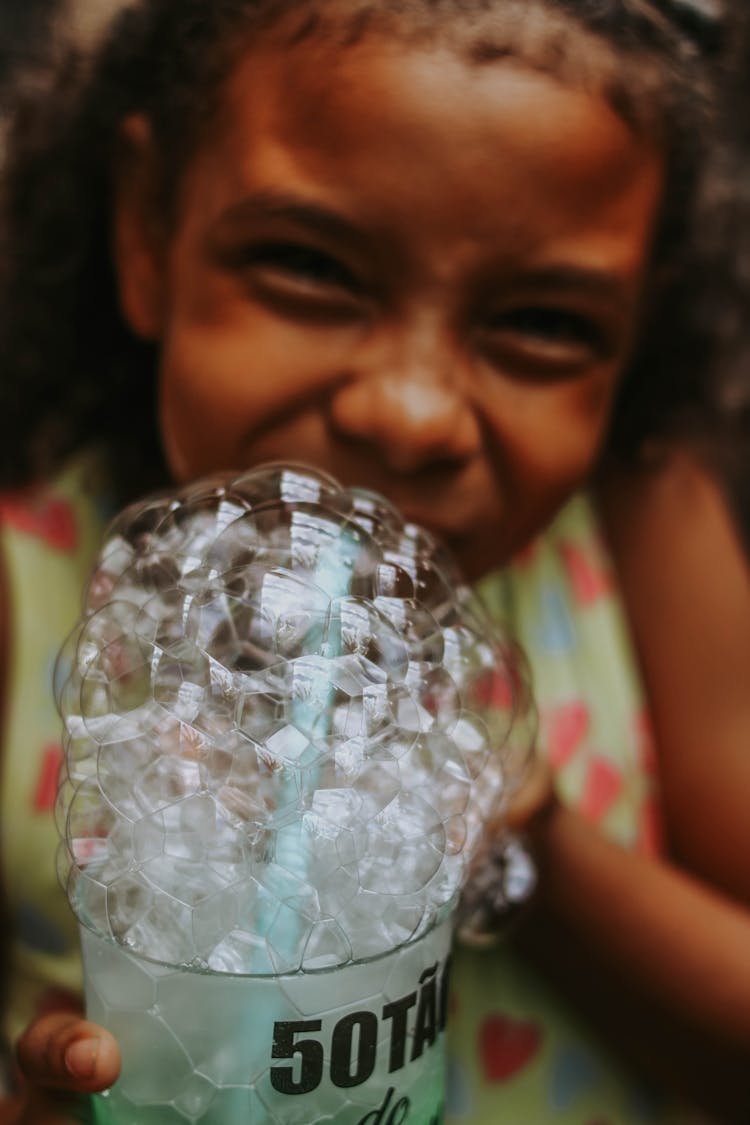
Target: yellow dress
(49,535)
(517,1054)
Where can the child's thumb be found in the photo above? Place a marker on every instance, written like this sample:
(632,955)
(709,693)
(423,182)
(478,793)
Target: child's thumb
(62,1052)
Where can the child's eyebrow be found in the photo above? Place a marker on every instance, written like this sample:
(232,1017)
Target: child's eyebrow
(584,281)
(269,203)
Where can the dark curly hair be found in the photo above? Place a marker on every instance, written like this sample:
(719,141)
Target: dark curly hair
(72,371)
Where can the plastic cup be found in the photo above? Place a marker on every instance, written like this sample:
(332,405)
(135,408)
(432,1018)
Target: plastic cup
(287,722)
(361,1044)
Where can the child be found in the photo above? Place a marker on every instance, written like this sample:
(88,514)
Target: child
(447,250)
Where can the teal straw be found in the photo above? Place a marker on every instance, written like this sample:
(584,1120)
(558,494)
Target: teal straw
(333,576)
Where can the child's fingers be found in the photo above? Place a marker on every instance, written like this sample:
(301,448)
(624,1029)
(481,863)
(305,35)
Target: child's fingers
(63,1052)
(532,800)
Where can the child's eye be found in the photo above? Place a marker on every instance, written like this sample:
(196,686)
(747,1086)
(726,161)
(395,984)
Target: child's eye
(300,282)
(301,263)
(550,324)
(552,337)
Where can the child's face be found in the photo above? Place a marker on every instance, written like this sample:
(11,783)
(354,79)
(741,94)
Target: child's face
(421,275)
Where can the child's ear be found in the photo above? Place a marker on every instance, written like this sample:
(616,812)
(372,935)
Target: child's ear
(139,230)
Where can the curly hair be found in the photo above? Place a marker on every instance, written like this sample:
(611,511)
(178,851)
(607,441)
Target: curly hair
(73,372)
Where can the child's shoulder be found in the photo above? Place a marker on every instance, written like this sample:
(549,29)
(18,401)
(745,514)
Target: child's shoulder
(63,514)
(686,588)
(676,546)
(685,583)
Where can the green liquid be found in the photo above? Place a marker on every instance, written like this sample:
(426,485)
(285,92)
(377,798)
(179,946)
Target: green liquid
(357,1045)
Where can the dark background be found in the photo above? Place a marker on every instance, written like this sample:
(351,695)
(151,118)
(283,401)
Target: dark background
(21,30)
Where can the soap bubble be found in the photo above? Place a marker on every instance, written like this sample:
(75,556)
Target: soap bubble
(287,722)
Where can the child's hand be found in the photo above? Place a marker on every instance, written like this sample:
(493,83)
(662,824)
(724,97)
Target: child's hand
(61,1055)
(504,875)
(535,797)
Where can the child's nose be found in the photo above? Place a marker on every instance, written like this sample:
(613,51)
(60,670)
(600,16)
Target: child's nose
(410,414)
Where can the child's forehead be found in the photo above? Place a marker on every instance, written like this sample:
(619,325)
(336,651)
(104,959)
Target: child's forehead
(341,132)
(533,33)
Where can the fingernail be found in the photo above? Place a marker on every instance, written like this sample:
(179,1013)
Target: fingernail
(80,1057)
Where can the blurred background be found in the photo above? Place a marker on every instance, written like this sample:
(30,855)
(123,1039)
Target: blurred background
(21,24)
(25,27)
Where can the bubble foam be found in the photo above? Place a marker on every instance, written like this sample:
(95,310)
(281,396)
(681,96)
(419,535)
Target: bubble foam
(287,723)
